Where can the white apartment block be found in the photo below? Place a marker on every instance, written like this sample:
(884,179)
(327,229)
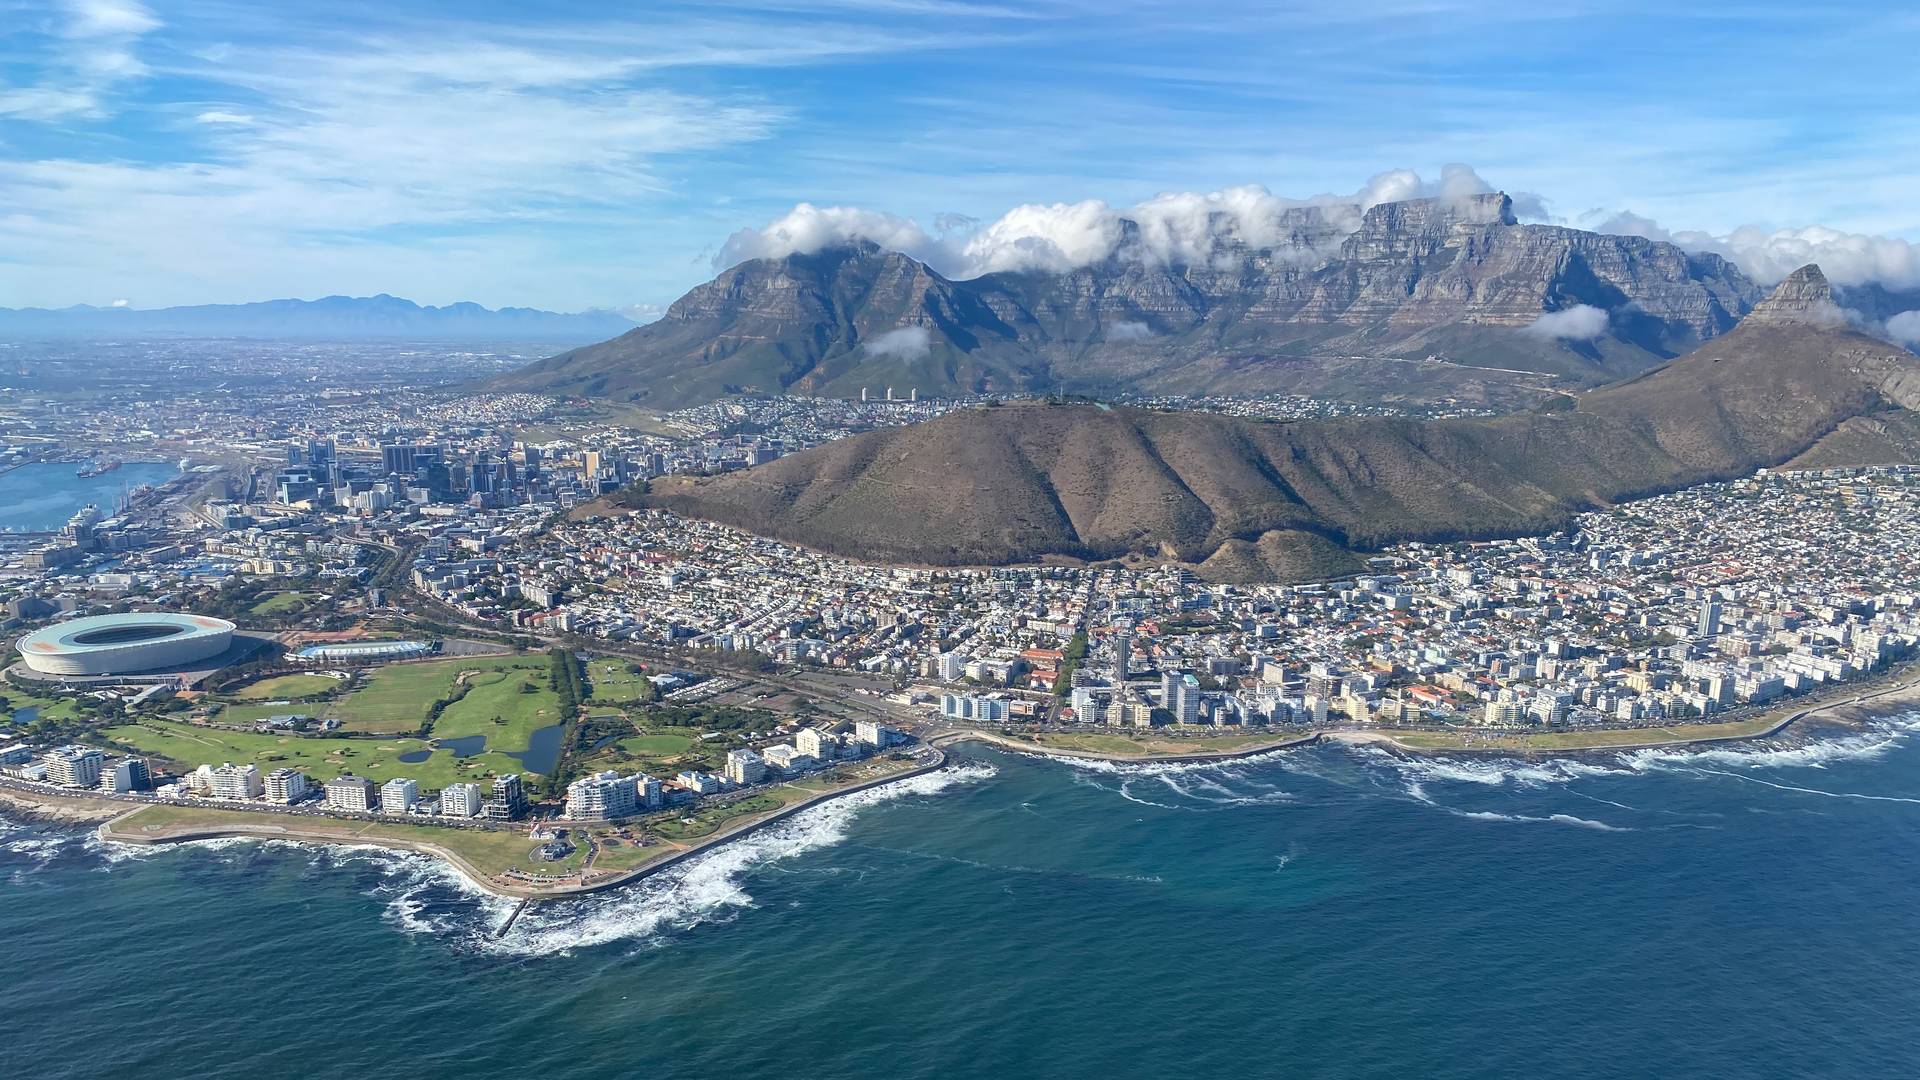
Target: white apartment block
(286,786)
(399,795)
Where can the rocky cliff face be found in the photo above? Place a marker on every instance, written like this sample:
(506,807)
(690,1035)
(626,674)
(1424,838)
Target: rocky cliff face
(1460,279)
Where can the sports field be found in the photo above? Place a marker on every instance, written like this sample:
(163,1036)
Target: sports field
(614,682)
(287,687)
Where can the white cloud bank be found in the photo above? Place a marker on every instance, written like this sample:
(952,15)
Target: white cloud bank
(1188,228)
(1768,256)
(906,343)
(1905,328)
(1178,228)
(1581,322)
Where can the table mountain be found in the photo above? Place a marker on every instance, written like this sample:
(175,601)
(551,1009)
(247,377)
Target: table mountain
(1457,280)
(1243,499)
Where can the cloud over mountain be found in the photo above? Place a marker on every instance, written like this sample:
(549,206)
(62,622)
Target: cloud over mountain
(1187,228)
(906,343)
(1174,228)
(1905,328)
(1768,256)
(1581,322)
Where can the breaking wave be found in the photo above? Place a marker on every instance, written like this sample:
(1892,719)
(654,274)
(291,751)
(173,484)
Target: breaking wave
(705,889)
(1199,787)
(1874,741)
(1158,768)
(1549,819)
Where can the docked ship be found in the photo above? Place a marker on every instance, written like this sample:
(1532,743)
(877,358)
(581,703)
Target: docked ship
(96,468)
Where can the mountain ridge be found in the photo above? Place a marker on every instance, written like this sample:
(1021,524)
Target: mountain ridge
(1459,278)
(1244,499)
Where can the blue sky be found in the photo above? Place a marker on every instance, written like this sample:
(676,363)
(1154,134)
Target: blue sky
(567,157)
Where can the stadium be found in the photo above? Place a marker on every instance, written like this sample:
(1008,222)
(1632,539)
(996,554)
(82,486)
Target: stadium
(128,644)
(362,652)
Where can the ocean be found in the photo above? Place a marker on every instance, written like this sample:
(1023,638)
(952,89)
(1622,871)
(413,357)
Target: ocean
(1334,911)
(41,497)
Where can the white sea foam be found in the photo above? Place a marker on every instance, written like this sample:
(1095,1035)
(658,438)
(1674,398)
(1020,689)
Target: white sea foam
(1202,788)
(1488,772)
(1874,742)
(1817,753)
(1550,819)
(1814,791)
(706,888)
(1160,768)
(39,848)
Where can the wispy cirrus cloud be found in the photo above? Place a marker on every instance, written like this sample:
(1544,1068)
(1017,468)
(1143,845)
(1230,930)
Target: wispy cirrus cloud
(91,47)
(574,155)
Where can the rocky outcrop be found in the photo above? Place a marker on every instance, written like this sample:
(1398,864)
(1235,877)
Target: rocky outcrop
(1803,299)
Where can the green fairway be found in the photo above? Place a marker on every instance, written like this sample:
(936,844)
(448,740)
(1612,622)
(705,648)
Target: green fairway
(397,698)
(320,758)
(286,686)
(499,705)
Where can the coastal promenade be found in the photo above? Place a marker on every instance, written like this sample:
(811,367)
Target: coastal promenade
(121,829)
(1892,691)
(958,735)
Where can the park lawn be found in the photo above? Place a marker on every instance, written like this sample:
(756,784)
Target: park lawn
(1090,742)
(613,684)
(708,821)
(660,755)
(656,746)
(627,854)
(286,686)
(322,759)
(281,602)
(397,697)
(491,851)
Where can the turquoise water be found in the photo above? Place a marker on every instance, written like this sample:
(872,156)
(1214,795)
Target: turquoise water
(1330,912)
(40,498)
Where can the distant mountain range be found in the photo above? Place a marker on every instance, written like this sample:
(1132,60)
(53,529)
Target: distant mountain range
(1243,500)
(327,319)
(1327,309)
